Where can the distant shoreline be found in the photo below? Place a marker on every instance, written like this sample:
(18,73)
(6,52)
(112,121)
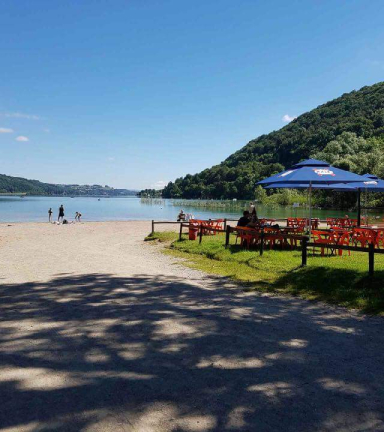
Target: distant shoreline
(24,194)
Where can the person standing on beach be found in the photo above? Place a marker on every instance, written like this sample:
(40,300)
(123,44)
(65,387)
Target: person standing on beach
(61,213)
(50,214)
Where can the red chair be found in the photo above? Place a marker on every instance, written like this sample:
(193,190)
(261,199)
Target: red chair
(248,236)
(341,238)
(218,224)
(291,222)
(363,236)
(215,224)
(302,223)
(323,238)
(273,235)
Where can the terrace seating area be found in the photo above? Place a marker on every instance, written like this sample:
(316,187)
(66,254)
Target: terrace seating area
(302,223)
(358,237)
(270,235)
(344,222)
(209,227)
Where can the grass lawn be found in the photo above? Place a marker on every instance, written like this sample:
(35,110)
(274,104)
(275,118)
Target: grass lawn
(341,280)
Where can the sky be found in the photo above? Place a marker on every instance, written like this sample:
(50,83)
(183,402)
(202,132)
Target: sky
(134,93)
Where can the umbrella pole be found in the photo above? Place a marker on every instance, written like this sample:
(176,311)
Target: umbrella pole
(358,207)
(310,209)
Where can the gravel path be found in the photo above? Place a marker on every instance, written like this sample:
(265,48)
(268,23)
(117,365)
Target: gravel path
(101,332)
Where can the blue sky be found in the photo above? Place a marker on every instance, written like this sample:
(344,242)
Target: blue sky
(135,93)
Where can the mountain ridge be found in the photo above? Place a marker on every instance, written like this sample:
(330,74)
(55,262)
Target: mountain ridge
(20,185)
(360,113)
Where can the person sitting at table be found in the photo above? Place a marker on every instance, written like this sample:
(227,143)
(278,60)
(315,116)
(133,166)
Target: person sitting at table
(181,216)
(254,220)
(244,220)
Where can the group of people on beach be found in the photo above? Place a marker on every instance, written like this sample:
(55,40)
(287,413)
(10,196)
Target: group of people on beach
(60,218)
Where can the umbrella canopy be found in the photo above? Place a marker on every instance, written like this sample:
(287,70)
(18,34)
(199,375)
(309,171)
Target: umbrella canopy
(333,186)
(371,184)
(313,172)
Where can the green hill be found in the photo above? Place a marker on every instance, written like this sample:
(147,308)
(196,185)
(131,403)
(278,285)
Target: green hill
(348,132)
(19,185)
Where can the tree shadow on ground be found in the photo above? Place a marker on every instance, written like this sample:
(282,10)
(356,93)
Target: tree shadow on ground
(144,353)
(335,285)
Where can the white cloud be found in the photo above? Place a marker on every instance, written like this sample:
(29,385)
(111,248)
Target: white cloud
(111,159)
(6,130)
(20,115)
(46,130)
(159,184)
(287,118)
(22,138)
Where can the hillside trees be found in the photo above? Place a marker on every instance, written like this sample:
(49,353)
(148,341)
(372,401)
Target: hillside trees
(347,132)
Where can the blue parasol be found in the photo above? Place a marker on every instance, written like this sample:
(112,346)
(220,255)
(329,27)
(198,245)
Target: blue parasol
(371,184)
(313,172)
(310,174)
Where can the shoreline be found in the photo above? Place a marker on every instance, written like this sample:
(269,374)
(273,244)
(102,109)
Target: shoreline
(82,222)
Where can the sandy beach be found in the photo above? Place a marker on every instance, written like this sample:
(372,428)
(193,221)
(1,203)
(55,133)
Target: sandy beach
(39,251)
(99,331)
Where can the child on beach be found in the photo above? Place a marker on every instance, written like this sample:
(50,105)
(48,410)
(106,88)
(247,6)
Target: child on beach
(50,214)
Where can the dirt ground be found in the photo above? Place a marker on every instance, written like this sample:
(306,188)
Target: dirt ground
(101,332)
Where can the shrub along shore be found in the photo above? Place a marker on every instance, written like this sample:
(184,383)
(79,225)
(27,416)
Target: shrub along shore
(340,280)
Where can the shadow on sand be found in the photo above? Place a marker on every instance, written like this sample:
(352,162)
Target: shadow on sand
(98,352)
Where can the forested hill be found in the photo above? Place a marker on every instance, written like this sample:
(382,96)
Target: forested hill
(19,185)
(344,131)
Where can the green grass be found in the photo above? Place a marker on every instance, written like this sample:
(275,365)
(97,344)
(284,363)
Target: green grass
(162,237)
(341,280)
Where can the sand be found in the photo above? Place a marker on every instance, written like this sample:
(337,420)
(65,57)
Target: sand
(101,332)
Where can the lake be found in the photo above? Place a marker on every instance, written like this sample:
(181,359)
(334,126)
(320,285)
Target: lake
(35,209)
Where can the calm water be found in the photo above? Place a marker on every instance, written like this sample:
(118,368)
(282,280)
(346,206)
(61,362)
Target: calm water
(35,209)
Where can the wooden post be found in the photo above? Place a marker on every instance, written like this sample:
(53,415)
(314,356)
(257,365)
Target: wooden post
(261,242)
(181,230)
(201,233)
(371,254)
(225,224)
(304,251)
(227,233)
(153,227)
